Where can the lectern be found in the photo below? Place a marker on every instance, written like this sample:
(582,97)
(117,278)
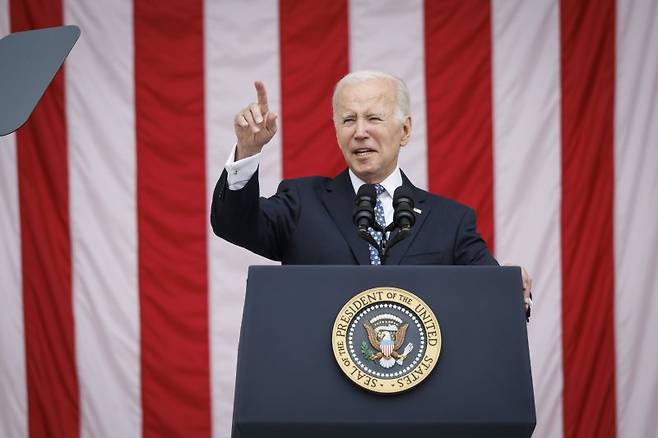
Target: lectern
(289,383)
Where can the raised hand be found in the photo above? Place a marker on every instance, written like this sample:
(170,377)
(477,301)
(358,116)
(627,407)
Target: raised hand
(255,125)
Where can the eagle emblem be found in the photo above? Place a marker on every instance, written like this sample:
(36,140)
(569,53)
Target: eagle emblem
(386,334)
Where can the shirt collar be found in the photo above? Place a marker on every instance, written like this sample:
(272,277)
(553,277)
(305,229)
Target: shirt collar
(392,182)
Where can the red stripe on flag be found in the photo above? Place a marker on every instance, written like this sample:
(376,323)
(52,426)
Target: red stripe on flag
(52,384)
(588,63)
(314,56)
(171,217)
(459,105)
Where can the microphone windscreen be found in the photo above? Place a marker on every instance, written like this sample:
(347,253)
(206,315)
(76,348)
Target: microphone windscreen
(403,194)
(363,215)
(367,190)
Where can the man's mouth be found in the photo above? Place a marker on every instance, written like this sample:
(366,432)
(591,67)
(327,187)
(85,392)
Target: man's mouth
(361,152)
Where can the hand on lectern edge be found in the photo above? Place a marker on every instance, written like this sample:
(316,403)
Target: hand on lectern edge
(527,288)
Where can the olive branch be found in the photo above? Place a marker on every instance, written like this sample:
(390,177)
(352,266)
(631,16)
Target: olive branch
(367,352)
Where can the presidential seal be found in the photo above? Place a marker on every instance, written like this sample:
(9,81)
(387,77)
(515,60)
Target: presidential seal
(386,340)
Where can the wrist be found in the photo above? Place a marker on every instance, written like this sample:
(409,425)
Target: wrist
(242,152)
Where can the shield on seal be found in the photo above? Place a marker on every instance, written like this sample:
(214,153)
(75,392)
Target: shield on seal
(387,347)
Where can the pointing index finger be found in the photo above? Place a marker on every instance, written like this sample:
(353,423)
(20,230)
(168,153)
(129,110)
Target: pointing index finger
(262,96)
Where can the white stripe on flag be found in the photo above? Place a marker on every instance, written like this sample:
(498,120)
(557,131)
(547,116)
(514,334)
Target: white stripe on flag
(526,88)
(13,390)
(636,226)
(241,45)
(388,36)
(101,136)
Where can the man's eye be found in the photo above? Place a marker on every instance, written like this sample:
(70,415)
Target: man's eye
(375,118)
(348,120)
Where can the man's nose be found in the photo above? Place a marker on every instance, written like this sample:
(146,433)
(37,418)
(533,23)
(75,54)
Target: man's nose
(361,129)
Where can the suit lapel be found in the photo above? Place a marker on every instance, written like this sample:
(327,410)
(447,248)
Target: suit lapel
(399,250)
(338,199)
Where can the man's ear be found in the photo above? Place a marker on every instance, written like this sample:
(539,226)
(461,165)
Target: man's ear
(406,131)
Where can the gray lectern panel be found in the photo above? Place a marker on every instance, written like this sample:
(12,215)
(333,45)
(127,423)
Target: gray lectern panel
(28,62)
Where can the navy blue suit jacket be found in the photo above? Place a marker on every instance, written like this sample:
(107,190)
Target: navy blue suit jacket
(309,221)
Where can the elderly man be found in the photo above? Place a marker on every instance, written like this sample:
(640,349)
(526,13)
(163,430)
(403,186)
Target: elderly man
(309,220)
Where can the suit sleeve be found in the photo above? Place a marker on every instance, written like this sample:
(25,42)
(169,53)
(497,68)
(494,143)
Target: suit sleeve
(470,249)
(260,225)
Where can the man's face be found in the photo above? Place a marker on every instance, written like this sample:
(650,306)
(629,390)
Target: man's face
(368,133)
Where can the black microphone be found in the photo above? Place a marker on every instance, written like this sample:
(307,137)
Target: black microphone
(403,206)
(364,207)
(403,216)
(364,214)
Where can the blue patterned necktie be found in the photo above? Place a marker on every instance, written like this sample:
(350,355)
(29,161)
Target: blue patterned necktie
(377,235)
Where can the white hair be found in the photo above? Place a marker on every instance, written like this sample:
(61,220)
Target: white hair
(401,111)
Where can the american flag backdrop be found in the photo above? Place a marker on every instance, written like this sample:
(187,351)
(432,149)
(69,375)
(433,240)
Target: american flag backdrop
(120,311)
